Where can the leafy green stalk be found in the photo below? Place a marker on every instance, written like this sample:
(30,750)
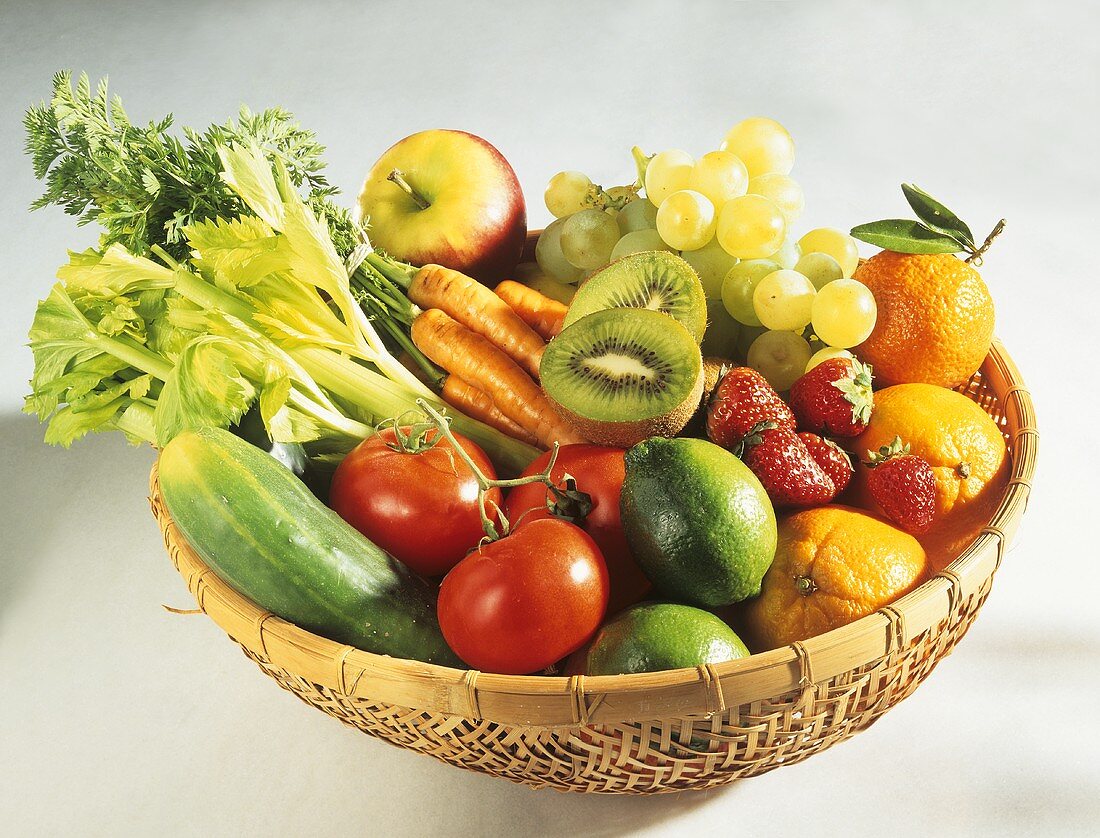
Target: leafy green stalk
(137,422)
(261,313)
(85,379)
(301,261)
(353,382)
(146,186)
(374,395)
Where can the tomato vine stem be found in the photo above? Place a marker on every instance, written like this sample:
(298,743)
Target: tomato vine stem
(484,484)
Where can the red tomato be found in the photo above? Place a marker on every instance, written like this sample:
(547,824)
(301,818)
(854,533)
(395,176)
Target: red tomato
(524,602)
(599,472)
(420,508)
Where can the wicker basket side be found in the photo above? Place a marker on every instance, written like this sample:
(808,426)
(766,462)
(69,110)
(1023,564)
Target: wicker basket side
(660,731)
(676,752)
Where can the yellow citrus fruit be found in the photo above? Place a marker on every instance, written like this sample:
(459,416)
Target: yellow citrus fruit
(833,565)
(963,445)
(935,318)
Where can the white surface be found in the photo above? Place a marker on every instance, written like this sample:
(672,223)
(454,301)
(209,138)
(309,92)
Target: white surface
(119,718)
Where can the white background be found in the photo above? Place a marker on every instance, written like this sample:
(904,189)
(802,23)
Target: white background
(119,718)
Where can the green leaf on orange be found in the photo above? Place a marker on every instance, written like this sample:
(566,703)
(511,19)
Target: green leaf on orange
(937,217)
(905,236)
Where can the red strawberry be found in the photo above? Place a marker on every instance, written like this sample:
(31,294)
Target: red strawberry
(903,486)
(834,398)
(833,459)
(784,466)
(742,400)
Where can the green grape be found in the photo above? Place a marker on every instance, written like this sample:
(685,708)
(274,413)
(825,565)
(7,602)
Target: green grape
(639,214)
(783,300)
(844,313)
(783,190)
(685,220)
(780,357)
(668,172)
(712,264)
(738,286)
(788,254)
(567,193)
(588,237)
(720,175)
(819,268)
(550,258)
(826,354)
(638,242)
(720,338)
(763,144)
(835,243)
(751,227)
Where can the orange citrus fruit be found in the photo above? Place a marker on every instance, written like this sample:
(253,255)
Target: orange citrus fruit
(833,565)
(963,445)
(935,318)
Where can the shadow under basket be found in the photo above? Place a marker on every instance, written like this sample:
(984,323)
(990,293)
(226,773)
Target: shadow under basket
(654,732)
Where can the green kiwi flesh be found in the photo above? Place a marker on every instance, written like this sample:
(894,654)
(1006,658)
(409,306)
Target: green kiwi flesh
(655,280)
(623,375)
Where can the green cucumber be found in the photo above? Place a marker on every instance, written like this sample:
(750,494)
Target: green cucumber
(262,532)
(290,454)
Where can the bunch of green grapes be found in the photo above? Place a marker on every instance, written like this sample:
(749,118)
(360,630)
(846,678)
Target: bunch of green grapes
(592,226)
(815,301)
(741,196)
(781,303)
(730,204)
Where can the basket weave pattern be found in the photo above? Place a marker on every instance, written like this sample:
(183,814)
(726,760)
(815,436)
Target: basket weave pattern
(656,732)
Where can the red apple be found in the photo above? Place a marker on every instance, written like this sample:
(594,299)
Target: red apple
(447,198)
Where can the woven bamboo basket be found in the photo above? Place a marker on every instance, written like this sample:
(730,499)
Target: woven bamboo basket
(654,732)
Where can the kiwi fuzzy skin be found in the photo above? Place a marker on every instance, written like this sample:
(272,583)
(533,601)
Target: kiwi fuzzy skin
(713,370)
(626,434)
(694,320)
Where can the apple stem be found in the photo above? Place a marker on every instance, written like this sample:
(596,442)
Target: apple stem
(398,177)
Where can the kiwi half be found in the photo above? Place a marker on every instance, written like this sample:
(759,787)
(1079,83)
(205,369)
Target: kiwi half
(656,280)
(623,375)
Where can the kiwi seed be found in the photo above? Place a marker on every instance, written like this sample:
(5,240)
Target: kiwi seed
(622,375)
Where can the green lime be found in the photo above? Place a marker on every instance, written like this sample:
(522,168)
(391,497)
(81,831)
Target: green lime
(657,635)
(698,521)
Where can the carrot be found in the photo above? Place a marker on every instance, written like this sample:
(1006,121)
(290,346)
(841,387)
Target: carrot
(464,396)
(481,363)
(538,311)
(479,310)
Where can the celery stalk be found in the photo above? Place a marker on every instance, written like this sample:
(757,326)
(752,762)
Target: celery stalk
(383,399)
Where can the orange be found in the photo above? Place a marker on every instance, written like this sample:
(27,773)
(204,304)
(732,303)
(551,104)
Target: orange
(963,445)
(833,565)
(935,318)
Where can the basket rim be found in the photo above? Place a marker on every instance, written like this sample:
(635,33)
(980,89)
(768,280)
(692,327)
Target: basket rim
(573,700)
